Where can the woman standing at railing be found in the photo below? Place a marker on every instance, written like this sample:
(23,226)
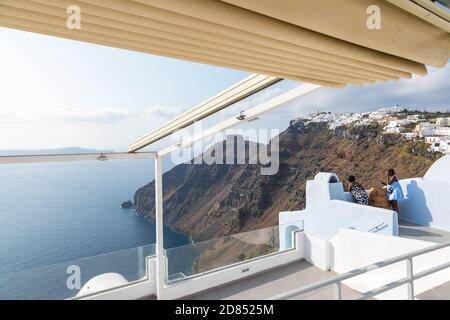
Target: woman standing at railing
(394,190)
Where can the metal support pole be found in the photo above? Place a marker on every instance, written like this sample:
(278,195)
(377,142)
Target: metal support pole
(409,275)
(338,291)
(160,259)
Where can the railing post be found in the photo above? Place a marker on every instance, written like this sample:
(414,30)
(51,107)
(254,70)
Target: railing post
(338,291)
(160,259)
(409,275)
(328,253)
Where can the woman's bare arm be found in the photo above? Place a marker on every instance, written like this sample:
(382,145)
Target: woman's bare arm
(389,179)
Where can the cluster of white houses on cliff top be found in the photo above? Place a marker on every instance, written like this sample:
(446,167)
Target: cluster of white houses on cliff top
(436,131)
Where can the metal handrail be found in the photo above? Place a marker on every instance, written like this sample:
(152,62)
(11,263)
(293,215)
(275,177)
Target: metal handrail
(409,280)
(378,227)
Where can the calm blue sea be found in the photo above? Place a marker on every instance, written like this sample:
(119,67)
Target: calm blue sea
(53,215)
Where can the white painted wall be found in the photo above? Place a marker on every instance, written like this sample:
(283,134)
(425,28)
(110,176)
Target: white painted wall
(352,249)
(340,214)
(329,208)
(316,251)
(427,202)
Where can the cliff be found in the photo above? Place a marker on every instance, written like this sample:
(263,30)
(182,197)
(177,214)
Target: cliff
(209,201)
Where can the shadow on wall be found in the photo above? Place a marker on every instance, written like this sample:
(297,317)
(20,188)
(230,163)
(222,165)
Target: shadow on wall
(414,207)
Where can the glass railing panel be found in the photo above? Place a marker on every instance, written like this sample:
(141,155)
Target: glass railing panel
(199,257)
(55,212)
(68,279)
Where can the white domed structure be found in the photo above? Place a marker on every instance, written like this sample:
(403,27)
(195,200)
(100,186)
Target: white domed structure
(440,170)
(102,282)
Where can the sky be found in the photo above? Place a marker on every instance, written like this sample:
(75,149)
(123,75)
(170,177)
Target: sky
(59,93)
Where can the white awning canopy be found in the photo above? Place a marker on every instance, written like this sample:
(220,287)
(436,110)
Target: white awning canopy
(324,42)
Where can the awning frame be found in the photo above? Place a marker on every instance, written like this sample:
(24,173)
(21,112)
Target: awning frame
(100,156)
(244,88)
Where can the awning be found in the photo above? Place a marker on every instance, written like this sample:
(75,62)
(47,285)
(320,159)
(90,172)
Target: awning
(227,97)
(425,40)
(323,42)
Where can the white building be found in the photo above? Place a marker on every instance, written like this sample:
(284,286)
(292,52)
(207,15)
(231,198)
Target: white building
(394,129)
(425,129)
(391,110)
(442,131)
(445,146)
(377,115)
(439,144)
(414,118)
(409,135)
(432,139)
(443,121)
(395,126)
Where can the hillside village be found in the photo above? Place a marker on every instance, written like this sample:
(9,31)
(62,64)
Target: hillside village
(430,127)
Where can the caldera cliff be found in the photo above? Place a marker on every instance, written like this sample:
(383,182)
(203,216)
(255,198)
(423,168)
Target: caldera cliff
(209,201)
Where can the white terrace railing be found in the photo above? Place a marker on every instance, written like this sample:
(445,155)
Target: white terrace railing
(408,280)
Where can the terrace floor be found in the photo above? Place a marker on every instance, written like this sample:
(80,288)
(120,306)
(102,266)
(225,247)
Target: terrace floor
(414,231)
(441,292)
(277,281)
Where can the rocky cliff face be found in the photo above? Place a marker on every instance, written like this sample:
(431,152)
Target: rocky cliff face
(209,201)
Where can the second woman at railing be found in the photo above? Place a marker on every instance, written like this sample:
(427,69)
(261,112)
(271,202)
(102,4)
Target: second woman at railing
(394,190)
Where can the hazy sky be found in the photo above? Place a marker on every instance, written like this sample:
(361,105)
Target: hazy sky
(57,93)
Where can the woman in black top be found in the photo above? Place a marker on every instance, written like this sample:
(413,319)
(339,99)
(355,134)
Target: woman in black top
(357,191)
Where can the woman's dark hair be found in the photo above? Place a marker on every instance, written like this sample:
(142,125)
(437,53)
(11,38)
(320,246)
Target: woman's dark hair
(351,179)
(391,172)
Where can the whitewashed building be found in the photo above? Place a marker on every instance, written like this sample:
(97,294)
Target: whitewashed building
(442,131)
(409,135)
(439,144)
(443,121)
(425,129)
(394,129)
(415,118)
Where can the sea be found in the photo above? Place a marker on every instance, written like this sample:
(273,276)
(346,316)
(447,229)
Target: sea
(60,220)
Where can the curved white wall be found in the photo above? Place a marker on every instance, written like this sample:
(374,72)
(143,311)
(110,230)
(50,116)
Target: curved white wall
(427,199)
(439,171)
(426,203)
